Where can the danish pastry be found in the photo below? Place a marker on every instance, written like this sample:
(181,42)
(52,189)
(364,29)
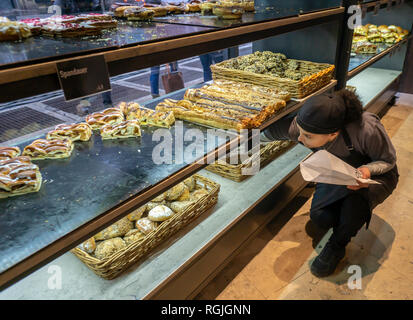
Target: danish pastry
(76,131)
(147,116)
(125,129)
(19,176)
(49,149)
(7,153)
(108,116)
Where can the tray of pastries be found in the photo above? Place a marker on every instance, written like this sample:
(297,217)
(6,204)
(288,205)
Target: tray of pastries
(146,116)
(75,131)
(227,105)
(48,149)
(19,176)
(125,129)
(379,34)
(114,249)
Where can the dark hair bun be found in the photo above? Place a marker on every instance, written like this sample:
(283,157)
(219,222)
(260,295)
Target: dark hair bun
(354,107)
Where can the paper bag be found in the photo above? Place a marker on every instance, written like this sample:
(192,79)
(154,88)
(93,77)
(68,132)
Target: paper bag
(324,167)
(172,81)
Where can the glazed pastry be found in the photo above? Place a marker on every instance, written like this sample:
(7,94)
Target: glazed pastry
(228,10)
(108,116)
(69,30)
(149,117)
(7,153)
(137,214)
(118,229)
(88,246)
(76,131)
(146,225)
(106,248)
(133,236)
(160,11)
(19,176)
(175,192)
(125,129)
(14,30)
(160,213)
(49,149)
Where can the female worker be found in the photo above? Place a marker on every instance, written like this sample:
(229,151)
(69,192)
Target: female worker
(336,122)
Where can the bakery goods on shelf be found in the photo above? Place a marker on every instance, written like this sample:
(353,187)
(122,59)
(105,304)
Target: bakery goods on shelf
(7,153)
(371,33)
(227,105)
(137,13)
(108,116)
(228,9)
(159,11)
(48,149)
(207,6)
(140,224)
(14,30)
(364,48)
(146,117)
(75,131)
(125,129)
(19,176)
(193,6)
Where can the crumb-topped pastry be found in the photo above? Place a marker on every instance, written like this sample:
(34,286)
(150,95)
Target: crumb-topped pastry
(19,176)
(75,131)
(49,149)
(125,129)
(108,116)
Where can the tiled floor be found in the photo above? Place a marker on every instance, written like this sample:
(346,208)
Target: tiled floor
(276,264)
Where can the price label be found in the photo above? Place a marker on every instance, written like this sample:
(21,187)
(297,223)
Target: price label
(83,77)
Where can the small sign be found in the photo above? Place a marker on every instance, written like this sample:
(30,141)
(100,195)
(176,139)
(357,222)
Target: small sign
(83,77)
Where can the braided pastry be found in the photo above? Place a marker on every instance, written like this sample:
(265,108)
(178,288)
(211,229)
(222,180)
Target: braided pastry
(108,116)
(49,149)
(126,129)
(6,153)
(19,176)
(133,110)
(76,131)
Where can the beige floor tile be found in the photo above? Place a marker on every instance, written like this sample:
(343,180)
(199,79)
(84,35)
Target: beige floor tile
(240,289)
(400,111)
(392,124)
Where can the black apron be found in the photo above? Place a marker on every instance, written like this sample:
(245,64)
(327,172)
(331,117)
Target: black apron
(326,194)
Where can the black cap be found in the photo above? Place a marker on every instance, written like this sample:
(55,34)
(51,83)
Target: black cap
(322,114)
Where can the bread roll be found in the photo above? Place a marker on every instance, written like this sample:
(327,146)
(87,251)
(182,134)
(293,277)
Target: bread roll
(132,236)
(151,205)
(160,213)
(88,246)
(137,214)
(190,183)
(197,194)
(146,225)
(106,248)
(185,195)
(159,198)
(118,229)
(175,192)
(179,206)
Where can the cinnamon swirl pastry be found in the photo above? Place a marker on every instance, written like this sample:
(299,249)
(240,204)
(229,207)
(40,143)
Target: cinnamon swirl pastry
(109,116)
(75,131)
(125,129)
(48,149)
(7,153)
(19,176)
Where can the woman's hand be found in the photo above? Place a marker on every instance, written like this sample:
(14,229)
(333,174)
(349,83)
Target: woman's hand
(365,174)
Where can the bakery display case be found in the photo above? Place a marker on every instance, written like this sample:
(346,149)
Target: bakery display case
(104,178)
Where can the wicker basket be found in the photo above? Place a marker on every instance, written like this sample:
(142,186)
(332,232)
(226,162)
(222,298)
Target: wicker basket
(318,75)
(114,265)
(268,153)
